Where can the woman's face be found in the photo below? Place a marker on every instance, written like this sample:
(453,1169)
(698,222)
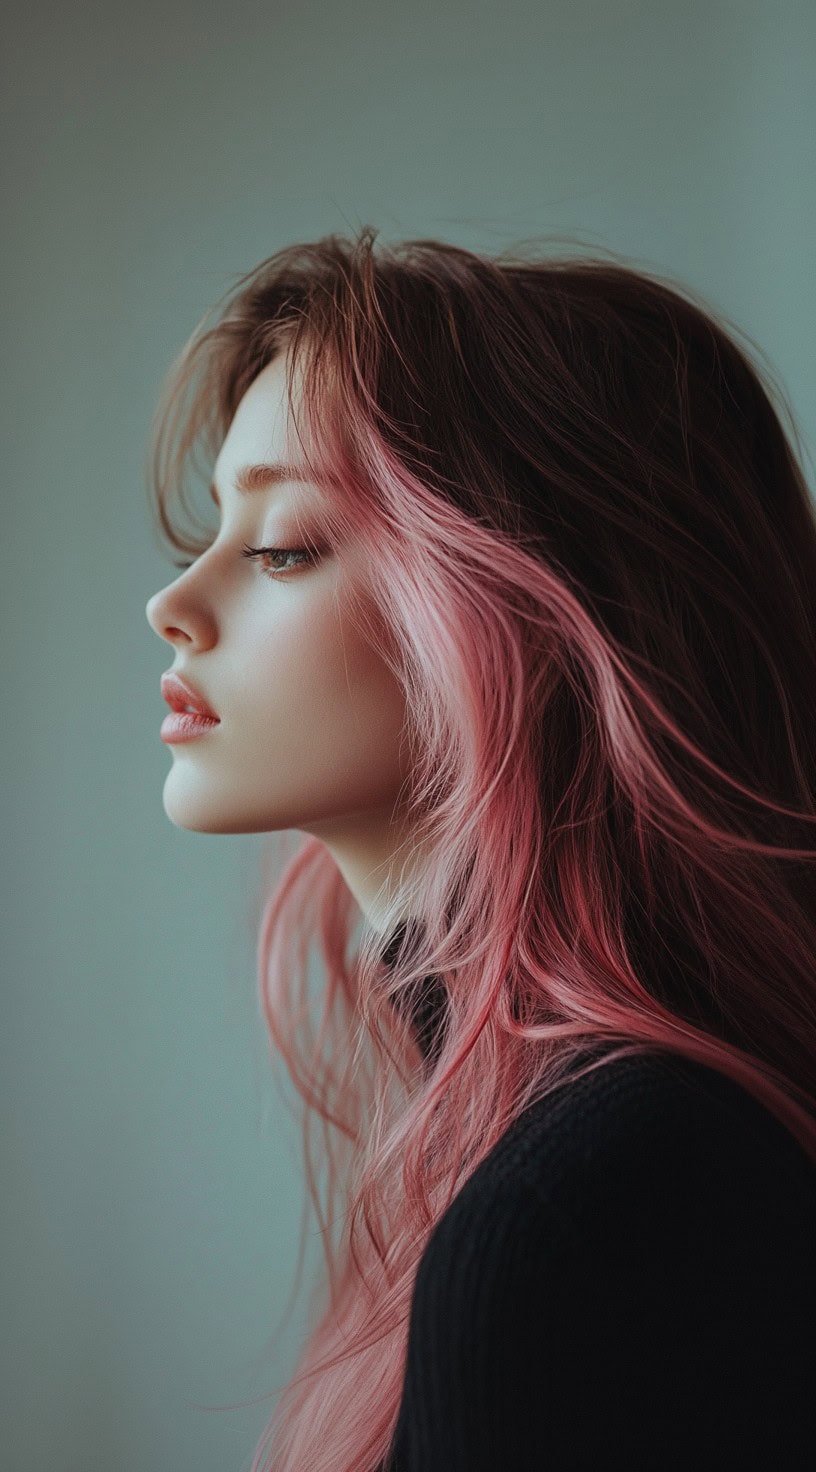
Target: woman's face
(310,715)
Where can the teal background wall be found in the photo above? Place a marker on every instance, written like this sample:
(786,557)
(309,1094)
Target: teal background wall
(151,1184)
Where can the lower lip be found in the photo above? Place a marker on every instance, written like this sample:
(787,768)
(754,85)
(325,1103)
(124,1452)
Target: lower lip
(185,726)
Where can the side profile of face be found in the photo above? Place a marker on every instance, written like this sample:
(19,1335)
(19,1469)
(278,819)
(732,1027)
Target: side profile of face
(310,715)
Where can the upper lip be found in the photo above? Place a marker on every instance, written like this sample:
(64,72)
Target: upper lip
(179,694)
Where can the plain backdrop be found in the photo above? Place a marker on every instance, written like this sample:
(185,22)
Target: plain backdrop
(151,1184)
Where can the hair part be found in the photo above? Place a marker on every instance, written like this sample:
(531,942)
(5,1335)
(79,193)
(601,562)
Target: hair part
(593,548)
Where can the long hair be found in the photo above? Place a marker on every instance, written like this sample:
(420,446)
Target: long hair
(593,549)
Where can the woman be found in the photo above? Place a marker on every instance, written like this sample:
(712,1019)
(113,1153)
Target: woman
(518,631)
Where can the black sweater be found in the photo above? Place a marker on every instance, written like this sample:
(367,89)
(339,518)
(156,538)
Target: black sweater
(627,1280)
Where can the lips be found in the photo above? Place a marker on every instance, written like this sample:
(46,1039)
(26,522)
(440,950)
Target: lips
(181,696)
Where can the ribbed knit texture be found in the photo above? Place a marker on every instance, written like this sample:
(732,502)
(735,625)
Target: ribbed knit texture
(627,1280)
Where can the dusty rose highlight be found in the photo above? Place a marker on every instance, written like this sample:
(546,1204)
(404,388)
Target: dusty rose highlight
(591,551)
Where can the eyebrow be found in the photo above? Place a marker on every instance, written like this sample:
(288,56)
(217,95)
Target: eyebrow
(260,477)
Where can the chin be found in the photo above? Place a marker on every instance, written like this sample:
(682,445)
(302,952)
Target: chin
(194,822)
(189,805)
(199,813)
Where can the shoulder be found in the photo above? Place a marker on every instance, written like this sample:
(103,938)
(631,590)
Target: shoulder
(651,1127)
(647,1234)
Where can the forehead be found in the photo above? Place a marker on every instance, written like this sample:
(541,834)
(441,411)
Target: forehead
(261,451)
(262,425)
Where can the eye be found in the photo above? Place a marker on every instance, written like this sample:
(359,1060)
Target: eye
(307,556)
(262,552)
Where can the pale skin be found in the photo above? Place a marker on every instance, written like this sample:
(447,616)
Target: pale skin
(311,716)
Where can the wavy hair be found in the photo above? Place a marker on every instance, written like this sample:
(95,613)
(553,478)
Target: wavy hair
(589,536)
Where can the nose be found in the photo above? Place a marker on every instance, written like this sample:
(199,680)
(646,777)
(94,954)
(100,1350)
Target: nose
(156,615)
(180,620)
(151,614)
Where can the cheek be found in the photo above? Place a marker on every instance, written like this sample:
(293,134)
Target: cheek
(346,666)
(318,665)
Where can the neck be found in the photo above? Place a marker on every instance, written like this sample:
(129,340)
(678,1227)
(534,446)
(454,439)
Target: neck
(428,1007)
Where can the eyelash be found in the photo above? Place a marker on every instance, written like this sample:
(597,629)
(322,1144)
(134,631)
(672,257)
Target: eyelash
(261,552)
